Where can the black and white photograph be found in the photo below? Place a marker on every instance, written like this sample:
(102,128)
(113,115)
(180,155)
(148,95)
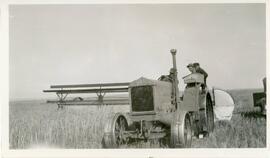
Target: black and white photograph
(137,76)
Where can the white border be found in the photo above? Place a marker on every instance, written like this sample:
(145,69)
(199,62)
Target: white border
(4,102)
(4,97)
(126,1)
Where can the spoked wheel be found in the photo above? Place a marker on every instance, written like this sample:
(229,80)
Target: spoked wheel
(181,131)
(209,115)
(115,129)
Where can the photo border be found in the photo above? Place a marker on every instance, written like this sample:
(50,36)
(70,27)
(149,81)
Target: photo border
(147,153)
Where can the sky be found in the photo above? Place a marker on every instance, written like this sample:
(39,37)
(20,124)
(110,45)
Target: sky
(100,43)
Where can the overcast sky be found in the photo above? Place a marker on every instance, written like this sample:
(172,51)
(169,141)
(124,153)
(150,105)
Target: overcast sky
(75,44)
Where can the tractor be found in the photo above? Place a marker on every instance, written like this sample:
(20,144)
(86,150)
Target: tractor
(157,111)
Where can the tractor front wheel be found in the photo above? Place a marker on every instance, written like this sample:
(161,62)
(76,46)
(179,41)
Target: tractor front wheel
(114,135)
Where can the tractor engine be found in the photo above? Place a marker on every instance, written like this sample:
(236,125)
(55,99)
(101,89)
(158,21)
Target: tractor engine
(150,96)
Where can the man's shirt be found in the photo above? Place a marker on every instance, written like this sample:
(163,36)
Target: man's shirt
(201,71)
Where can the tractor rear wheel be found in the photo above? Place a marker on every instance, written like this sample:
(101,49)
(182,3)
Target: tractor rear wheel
(115,129)
(209,115)
(181,130)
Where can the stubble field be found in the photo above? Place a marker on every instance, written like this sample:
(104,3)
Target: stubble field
(34,124)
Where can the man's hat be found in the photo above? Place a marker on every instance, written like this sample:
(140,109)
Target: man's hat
(196,64)
(190,65)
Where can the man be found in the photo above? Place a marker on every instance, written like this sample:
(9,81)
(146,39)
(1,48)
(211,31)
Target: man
(198,69)
(168,78)
(191,68)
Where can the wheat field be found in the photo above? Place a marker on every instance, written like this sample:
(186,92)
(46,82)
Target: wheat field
(34,124)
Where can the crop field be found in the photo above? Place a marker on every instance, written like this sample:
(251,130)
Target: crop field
(35,124)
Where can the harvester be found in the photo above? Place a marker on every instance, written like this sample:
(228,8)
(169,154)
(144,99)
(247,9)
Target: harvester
(157,110)
(259,99)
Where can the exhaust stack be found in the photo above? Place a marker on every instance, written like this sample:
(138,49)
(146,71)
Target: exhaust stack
(173,52)
(173,71)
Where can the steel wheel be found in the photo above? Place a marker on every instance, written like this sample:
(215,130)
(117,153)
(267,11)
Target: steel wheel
(209,115)
(119,130)
(181,131)
(115,129)
(187,131)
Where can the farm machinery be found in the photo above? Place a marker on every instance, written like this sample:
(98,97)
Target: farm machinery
(157,111)
(259,98)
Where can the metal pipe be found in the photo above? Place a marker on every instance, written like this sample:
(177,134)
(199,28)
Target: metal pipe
(173,52)
(175,79)
(104,90)
(91,85)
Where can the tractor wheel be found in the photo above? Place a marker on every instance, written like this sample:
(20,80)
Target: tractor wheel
(181,130)
(209,115)
(114,136)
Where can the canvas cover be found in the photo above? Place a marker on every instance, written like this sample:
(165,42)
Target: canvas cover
(224,105)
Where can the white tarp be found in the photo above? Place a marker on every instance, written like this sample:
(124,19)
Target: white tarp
(224,105)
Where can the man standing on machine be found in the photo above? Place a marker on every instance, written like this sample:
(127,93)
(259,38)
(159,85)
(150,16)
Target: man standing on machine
(198,69)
